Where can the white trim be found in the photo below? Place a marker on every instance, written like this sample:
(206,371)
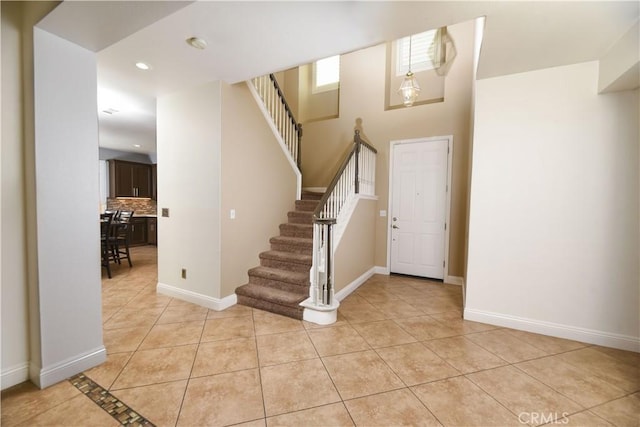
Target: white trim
(319,315)
(454,280)
(607,339)
(14,375)
(328,315)
(49,375)
(447,214)
(355,284)
(316,189)
(276,133)
(216,304)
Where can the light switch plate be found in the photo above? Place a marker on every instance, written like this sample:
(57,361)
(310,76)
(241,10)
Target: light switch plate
(165,212)
(232,214)
(383,213)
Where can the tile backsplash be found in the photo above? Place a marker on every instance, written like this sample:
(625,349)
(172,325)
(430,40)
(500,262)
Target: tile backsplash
(139,206)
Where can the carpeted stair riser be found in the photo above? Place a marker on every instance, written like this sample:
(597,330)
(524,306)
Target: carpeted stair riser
(311,195)
(292,244)
(283,286)
(279,279)
(275,300)
(300,217)
(306,205)
(296,230)
(294,312)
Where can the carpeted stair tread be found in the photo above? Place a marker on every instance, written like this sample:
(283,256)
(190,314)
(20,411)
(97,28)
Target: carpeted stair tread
(275,296)
(290,261)
(311,195)
(293,277)
(294,241)
(292,244)
(291,257)
(298,226)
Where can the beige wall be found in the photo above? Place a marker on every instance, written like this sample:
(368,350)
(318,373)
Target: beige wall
(357,244)
(189,150)
(217,154)
(256,180)
(362,96)
(315,106)
(15,345)
(20,337)
(555,204)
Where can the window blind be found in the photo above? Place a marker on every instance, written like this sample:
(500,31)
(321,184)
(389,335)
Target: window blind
(425,52)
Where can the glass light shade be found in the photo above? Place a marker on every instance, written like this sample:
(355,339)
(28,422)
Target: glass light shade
(409,89)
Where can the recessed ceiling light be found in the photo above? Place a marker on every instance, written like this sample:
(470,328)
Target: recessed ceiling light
(143,66)
(137,145)
(197,42)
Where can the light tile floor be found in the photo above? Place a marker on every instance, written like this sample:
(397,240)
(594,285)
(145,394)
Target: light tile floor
(400,354)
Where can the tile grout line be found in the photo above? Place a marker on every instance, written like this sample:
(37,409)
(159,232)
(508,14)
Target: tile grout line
(195,356)
(255,340)
(329,375)
(139,344)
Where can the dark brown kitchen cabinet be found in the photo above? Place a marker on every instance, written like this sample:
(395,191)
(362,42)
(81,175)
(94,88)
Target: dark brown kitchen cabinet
(129,179)
(138,231)
(152,231)
(154,181)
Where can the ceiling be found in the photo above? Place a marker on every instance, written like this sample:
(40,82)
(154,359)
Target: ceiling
(247,39)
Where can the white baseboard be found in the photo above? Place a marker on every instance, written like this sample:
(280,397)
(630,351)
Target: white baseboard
(49,375)
(14,375)
(351,287)
(454,280)
(196,298)
(606,339)
(381,270)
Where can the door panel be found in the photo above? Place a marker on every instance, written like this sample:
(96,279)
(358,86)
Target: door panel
(418,208)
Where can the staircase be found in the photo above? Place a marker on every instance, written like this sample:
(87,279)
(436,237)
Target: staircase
(281,282)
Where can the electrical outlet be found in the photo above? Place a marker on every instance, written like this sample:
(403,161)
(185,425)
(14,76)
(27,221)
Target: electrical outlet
(184,273)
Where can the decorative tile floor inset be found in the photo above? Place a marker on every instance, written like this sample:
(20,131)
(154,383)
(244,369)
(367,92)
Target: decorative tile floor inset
(111,404)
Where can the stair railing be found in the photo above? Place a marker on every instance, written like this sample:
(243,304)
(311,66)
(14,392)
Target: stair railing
(273,98)
(355,176)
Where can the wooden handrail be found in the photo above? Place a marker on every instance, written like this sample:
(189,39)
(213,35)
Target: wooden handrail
(284,101)
(297,126)
(357,144)
(358,139)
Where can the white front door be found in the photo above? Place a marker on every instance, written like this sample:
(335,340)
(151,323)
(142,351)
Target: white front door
(418,208)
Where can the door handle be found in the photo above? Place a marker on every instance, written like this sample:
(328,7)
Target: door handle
(395,226)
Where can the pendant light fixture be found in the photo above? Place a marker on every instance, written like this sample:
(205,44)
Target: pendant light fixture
(409,89)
